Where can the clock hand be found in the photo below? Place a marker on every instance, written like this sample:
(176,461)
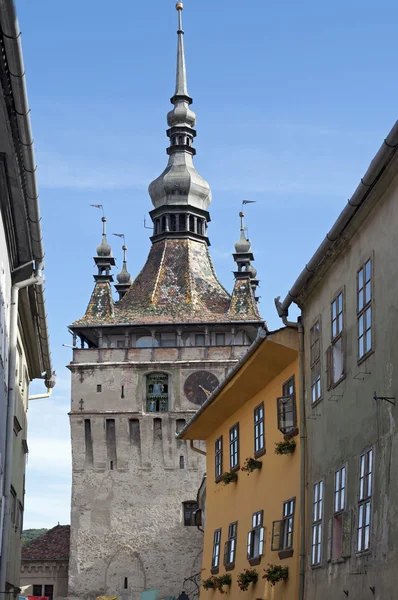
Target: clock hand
(204,390)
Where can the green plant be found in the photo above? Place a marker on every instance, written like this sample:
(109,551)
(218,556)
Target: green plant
(217,583)
(245,578)
(251,464)
(276,573)
(287,447)
(229,477)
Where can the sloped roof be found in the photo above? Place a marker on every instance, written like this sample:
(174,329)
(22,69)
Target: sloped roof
(177,284)
(53,545)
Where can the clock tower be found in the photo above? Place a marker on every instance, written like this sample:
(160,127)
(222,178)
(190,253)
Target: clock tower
(141,366)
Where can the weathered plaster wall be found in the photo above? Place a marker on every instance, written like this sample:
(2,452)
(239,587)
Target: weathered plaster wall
(348,420)
(36,572)
(127,528)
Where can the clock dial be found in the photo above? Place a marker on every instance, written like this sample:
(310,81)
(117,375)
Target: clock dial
(198,386)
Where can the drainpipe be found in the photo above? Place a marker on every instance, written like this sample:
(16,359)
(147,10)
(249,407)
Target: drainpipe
(41,396)
(37,279)
(303,441)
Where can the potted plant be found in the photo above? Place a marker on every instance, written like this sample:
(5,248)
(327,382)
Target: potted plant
(286,447)
(210,583)
(222,580)
(229,477)
(245,578)
(251,464)
(276,573)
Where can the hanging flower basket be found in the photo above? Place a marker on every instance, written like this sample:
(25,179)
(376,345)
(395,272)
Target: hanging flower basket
(251,464)
(245,578)
(287,447)
(229,477)
(276,573)
(217,583)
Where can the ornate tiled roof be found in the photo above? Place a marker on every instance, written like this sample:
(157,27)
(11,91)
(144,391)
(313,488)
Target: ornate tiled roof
(243,303)
(53,545)
(177,284)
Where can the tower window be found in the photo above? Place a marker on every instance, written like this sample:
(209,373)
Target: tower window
(99,388)
(157,392)
(126,583)
(220,339)
(182,462)
(181,223)
(191,223)
(163,224)
(189,509)
(173,223)
(199,339)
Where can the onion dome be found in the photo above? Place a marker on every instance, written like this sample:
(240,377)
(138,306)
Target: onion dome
(124,280)
(242,245)
(104,248)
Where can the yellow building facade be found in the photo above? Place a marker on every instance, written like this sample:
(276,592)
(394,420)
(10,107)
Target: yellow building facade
(252,515)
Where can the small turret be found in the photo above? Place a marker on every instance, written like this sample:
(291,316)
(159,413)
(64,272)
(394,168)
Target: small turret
(124,279)
(243,257)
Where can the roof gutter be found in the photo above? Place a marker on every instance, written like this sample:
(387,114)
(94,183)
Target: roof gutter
(369,180)
(24,149)
(261,335)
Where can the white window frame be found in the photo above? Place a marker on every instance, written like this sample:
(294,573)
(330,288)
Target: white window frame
(215,559)
(337,335)
(365,310)
(315,360)
(255,537)
(317,523)
(366,462)
(234,446)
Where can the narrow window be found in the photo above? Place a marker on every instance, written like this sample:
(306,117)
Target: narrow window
(182,462)
(135,435)
(364,501)
(218,458)
(317,515)
(234,446)
(157,397)
(126,583)
(215,561)
(230,546)
(49,591)
(340,528)
(19,364)
(122,394)
(364,309)
(88,442)
(110,431)
(20,517)
(255,539)
(335,356)
(282,531)
(199,339)
(259,438)
(191,223)
(286,406)
(173,223)
(315,360)
(220,339)
(99,388)
(189,509)
(182,223)
(13,510)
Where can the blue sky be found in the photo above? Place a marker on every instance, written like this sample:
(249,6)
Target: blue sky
(293,100)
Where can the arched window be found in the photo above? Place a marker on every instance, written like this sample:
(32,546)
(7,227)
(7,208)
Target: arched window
(200,226)
(173,223)
(181,223)
(157,392)
(191,223)
(163,224)
(180,140)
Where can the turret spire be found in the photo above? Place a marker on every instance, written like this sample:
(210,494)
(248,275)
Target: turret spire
(124,280)
(180,195)
(243,257)
(104,259)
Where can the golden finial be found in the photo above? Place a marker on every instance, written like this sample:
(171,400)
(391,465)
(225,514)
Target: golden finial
(179,6)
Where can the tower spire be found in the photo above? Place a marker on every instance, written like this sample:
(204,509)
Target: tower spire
(124,280)
(243,257)
(180,195)
(104,259)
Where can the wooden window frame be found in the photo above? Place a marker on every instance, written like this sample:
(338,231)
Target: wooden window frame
(337,318)
(364,522)
(281,403)
(340,487)
(230,546)
(317,523)
(257,531)
(215,557)
(363,310)
(218,458)
(234,447)
(282,528)
(257,426)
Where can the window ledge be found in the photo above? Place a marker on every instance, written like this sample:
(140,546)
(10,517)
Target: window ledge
(334,386)
(317,566)
(254,561)
(214,570)
(364,357)
(259,453)
(234,469)
(313,404)
(230,567)
(285,553)
(338,561)
(217,479)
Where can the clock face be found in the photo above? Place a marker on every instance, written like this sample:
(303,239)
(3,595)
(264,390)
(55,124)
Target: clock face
(199,386)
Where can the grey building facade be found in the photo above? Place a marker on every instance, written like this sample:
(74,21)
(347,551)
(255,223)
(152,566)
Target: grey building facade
(24,341)
(144,365)
(348,297)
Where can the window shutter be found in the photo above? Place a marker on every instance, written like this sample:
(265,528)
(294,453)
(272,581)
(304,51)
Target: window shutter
(330,540)
(329,367)
(276,535)
(347,532)
(226,553)
(261,542)
(249,544)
